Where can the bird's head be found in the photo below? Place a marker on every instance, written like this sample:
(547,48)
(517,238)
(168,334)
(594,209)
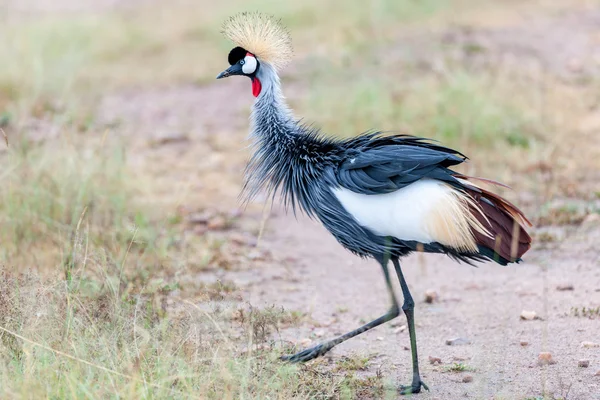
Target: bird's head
(243,63)
(259,39)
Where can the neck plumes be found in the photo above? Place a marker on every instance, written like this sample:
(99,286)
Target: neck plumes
(274,134)
(271,118)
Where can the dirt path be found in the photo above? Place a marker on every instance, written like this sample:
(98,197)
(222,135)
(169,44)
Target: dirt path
(479,304)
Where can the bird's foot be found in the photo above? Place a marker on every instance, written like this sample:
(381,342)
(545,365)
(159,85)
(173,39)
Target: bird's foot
(414,388)
(308,354)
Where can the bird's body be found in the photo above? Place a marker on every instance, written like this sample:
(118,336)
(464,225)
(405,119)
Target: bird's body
(380,196)
(375,193)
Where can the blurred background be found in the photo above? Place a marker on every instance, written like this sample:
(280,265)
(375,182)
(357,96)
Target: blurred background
(130,271)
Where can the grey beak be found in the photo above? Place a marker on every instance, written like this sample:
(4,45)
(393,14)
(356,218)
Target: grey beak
(224,74)
(235,69)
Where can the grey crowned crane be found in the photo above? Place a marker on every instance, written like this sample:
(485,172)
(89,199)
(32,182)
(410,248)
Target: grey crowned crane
(380,196)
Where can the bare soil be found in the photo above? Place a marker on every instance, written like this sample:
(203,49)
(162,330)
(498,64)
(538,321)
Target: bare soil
(483,305)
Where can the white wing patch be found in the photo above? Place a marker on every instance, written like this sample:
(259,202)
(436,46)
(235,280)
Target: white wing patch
(249,65)
(425,211)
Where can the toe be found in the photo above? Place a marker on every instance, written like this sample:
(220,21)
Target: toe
(412,389)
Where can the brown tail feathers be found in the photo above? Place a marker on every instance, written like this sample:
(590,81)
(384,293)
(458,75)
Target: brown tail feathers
(504,221)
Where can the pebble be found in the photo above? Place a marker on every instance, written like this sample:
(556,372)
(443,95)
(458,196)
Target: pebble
(199,230)
(597,373)
(457,341)
(589,344)
(242,240)
(320,333)
(583,363)
(168,138)
(565,287)
(235,213)
(528,315)
(467,379)
(199,218)
(460,359)
(545,358)
(256,254)
(591,219)
(434,360)
(380,338)
(400,329)
(524,343)
(305,342)
(431,296)
(216,224)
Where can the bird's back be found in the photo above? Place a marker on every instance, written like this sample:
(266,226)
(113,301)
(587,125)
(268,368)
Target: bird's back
(398,194)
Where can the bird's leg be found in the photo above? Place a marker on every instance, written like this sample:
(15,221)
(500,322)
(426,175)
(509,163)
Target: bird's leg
(409,309)
(319,350)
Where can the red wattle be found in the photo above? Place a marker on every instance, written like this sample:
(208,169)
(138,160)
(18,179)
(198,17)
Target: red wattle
(256,87)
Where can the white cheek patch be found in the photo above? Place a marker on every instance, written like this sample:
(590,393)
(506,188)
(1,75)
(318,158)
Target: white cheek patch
(249,65)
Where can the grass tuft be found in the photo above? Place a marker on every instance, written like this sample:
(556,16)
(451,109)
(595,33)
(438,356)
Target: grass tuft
(458,367)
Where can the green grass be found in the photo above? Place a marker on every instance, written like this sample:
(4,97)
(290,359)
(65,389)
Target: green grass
(459,367)
(59,196)
(355,363)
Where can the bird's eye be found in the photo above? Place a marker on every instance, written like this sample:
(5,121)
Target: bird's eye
(242,62)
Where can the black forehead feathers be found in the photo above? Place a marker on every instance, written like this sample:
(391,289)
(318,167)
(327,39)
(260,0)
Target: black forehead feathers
(236,55)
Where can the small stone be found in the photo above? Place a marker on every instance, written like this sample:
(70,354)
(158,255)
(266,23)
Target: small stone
(380,338)
(235,213)
(256,254)
(564,287)
(528,315)
(434,360)
(524,343)
(400,329)
(242,240)
(199,218)
(320,333)
(164,138)
(467,379)
(199,230)
(460,359)
(591,218)
(597,373)
(430,296)
(305,342)
(216,224)
(545,358)
(583,363)
(457,341)
(588,345)
(406,348)
(328,322)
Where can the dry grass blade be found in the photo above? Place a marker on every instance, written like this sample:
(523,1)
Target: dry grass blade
(88,363)
(214,323)
(266,214)
(123,262)
(5,136)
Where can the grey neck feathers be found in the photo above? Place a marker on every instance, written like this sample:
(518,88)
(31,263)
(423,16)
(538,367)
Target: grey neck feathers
(274,132)
(271,118)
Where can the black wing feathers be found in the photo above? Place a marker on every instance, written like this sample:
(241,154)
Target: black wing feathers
(386,164)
